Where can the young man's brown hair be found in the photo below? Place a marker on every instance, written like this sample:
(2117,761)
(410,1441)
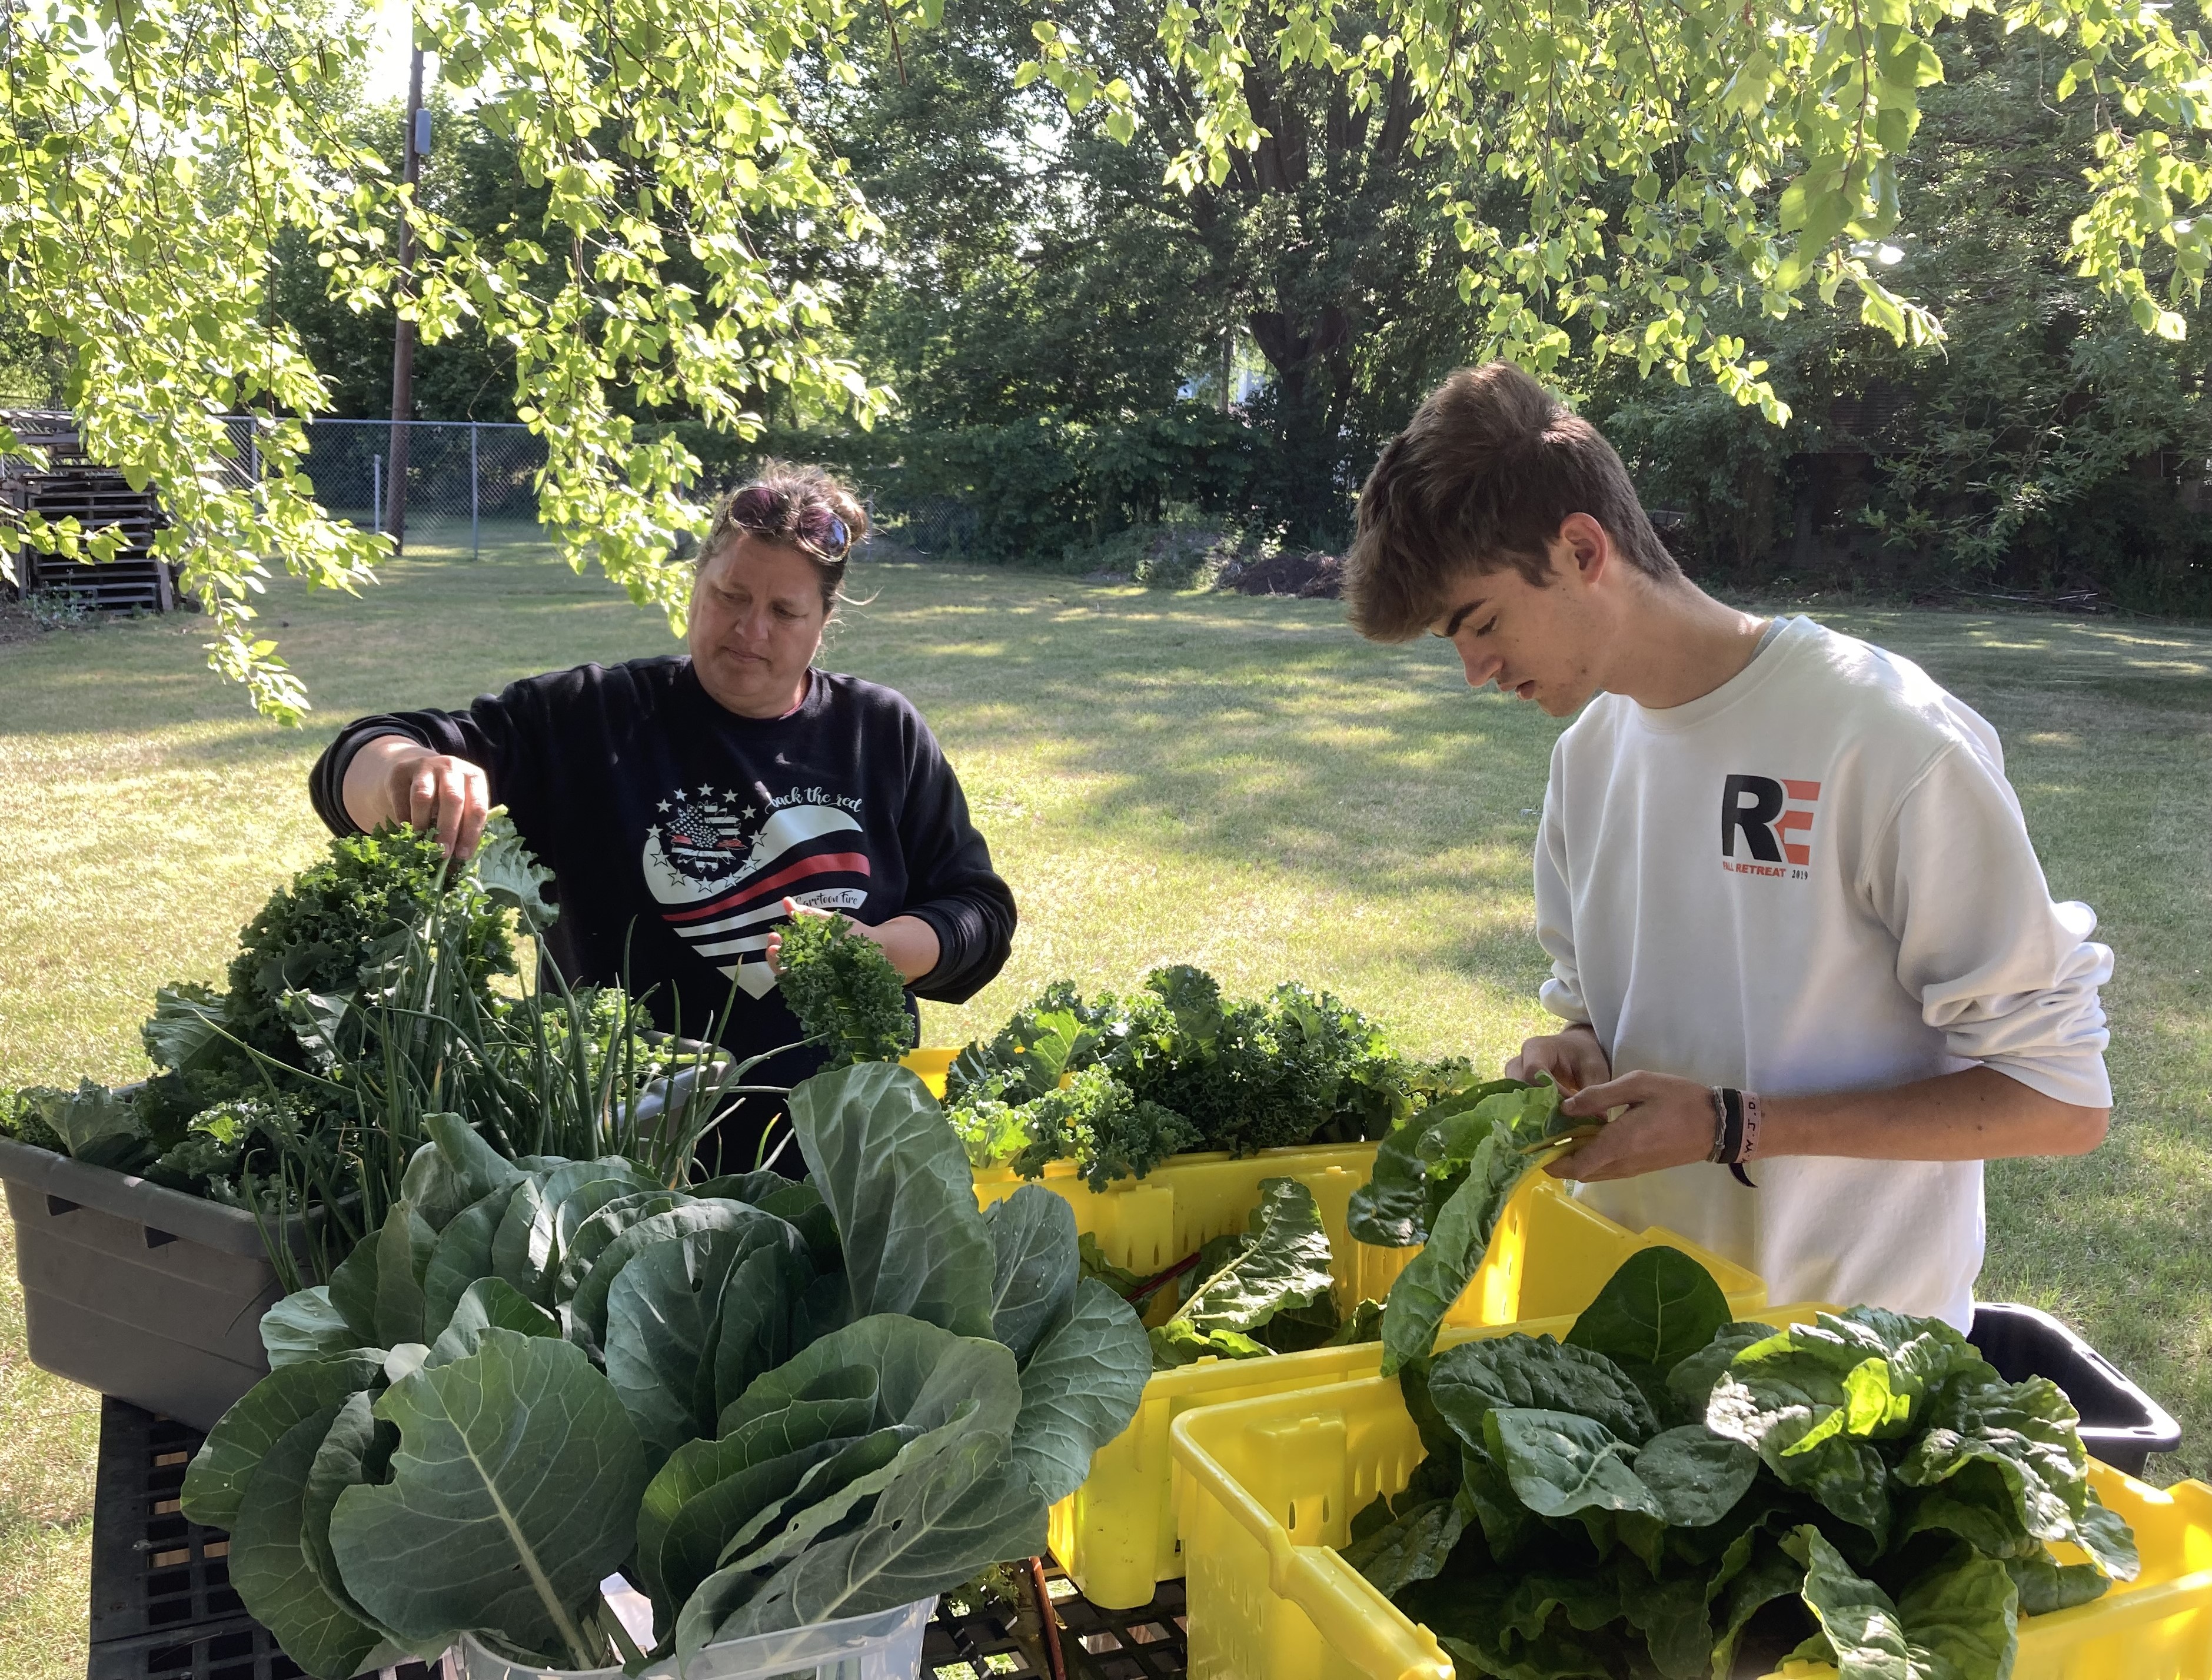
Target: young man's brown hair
(1482,478)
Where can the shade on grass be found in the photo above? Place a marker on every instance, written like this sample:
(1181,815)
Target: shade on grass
(1236,783)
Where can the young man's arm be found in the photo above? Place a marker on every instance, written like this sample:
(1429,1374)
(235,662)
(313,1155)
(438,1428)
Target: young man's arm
(1977,1114)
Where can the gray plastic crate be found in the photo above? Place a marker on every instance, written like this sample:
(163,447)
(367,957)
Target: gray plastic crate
(137,1291)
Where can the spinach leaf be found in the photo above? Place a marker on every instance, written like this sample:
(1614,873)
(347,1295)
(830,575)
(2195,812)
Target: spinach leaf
(1696,1476)
(1281,1264)
(1561,1464)
(1414,1546)
(902,1194)
(1535,1372)
(1954,1622)
(514,1490)
(1659,1307)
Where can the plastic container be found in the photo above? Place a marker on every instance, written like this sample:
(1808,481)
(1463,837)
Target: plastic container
(1274,1484)
(139,1291)
(884,1646)
(2121,1425)
(1117,1534)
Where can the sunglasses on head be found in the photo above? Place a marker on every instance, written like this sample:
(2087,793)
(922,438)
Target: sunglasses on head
(767,510)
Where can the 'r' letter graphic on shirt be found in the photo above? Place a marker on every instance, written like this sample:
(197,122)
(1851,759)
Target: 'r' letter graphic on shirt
(1767,813)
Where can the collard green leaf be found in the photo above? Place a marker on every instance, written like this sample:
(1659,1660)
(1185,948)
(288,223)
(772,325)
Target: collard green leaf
(1459,1238)
(1657,1308)
(305,1325)
(356,1449)
(489,1303)
(580,1248)
(270,1569)
(663,1315)
(455,1170)
(1033,1236)
(513,1492)
(709,1489)
(1079,1389)
(928,1531)
(922,1374)
(461,1255)
(1534,1371)
(894,1178)
(523,1242)
(1561,1464)
(588,1307)
(190,1027)
(403,1248)
(754,1325)
(215,1484)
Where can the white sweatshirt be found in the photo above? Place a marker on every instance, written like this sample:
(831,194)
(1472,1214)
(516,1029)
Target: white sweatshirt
(1814,878)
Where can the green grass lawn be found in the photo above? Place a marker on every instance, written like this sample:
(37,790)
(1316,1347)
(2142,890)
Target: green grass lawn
(1235,782)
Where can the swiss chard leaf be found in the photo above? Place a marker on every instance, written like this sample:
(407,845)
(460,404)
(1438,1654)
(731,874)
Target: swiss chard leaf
(1282,1263)
(1391,1210)
(1412,1547)
(1696,1476)
(1459,1237)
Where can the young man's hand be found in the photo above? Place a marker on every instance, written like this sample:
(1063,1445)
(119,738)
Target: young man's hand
(1665,1122)
(1573,1059)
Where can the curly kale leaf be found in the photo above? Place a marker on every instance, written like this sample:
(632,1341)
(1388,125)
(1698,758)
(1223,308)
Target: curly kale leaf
(844,991)
(211,1160)
(1093,1121)
(339,922)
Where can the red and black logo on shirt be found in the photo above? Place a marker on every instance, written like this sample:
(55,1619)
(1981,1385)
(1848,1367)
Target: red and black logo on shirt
(1772,821)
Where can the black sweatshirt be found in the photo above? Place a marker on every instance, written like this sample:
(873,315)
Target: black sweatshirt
(678,827)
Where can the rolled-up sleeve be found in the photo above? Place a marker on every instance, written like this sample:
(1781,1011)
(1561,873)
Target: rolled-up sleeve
(2010,978)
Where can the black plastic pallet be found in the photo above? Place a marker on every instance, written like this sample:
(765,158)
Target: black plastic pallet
(153,1573)
(987,1643)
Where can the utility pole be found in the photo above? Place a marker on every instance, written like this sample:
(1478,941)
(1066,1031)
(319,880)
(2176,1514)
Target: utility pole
(403,334)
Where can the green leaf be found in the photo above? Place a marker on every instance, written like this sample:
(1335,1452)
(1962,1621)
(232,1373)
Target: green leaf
(456,1168)
(513,1492)
(965,1508)
(1954,1622)
(1690,1382)
(510,875)
(214,1484)
(598,1231)
(709,1489)
(1034,1237)
(589,1309)
(1560,1464)
(1282,1263)
(356,1449)
(877,1149)
(404,1247)
(97,1126)
(489,1303)
(1412,1547)
(753,1328)
(1659,1307)
(923,1373)
(2045,1585)
(462,1255)
(1079,1389)
(305,1325)
(1534,1373)
(1459,1238)
(1391,1210)
(270,1569)
(1696,1476)
(663,1310)
(190,1028)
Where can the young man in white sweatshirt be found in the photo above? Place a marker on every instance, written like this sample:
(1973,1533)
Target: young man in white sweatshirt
(1798,937)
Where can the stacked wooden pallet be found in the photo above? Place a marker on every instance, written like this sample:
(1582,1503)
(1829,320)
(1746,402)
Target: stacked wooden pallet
(96,496)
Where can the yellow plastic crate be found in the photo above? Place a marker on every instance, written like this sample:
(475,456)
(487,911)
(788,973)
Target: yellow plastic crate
(1272,1485)
(1116,1535)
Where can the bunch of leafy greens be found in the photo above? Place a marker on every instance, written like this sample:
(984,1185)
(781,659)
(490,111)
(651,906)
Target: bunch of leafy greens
(308,1085)
(775,1404)
(843,988)
(1665,1486)
(1187,1070)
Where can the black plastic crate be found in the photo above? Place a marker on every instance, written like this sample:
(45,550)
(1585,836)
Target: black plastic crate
(153,1573)
(240,1649)
(987,1643)
(2121,1425)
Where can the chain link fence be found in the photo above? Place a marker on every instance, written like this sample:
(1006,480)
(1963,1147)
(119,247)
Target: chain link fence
(469,483)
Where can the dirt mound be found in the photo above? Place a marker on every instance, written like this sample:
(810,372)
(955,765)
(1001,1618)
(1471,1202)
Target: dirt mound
(1313,576)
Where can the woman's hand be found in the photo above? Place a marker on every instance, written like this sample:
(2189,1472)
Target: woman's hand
(908,940)
(1664,1122)
(391,779)
(1573,1059)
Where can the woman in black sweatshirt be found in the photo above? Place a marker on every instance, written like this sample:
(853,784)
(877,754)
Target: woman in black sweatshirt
(681,801)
